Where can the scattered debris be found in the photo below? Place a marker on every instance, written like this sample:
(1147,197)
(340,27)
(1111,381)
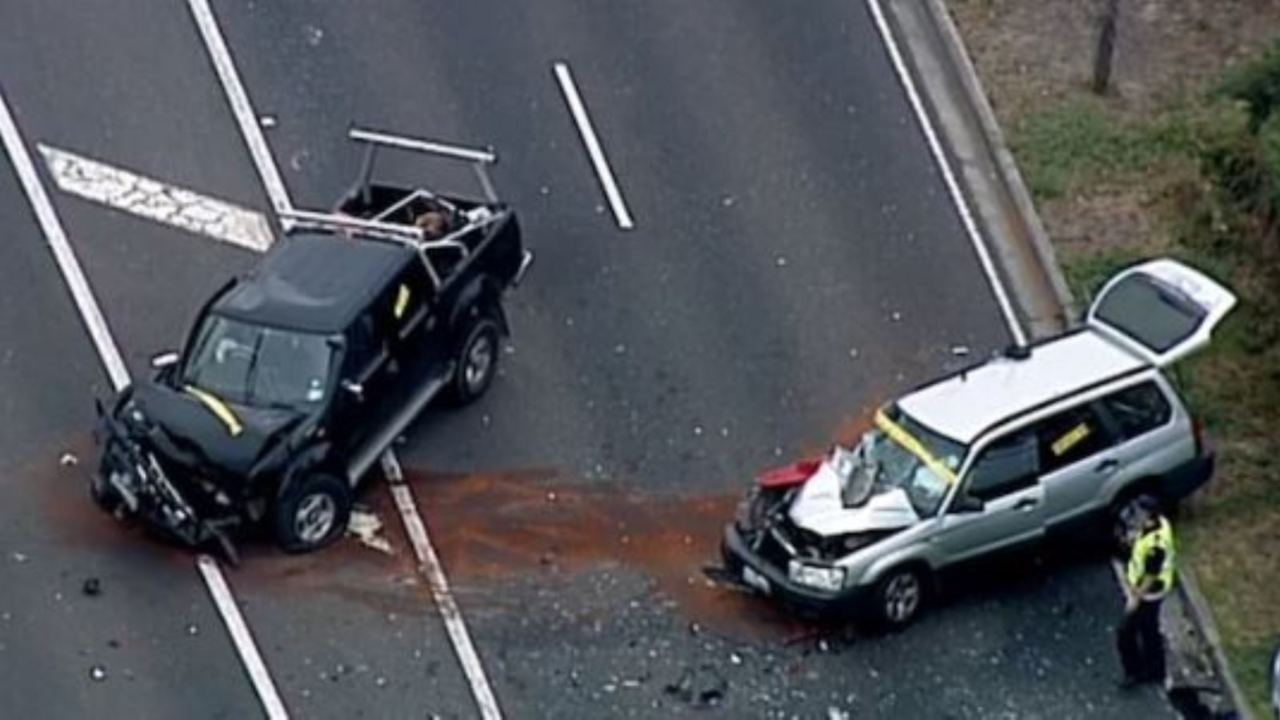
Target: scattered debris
(68,459)
(267,121)
(113,644)
(380,681)
(92,587)
(960,350)
(835,713)
(19,557)
(366,527)
(193,629)
(704,687)
(781,261)
(97,673)
(551,496)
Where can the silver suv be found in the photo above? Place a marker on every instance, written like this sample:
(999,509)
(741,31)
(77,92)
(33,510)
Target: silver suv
(1039,440)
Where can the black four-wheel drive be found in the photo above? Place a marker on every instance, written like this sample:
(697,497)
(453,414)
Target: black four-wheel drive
(296,377)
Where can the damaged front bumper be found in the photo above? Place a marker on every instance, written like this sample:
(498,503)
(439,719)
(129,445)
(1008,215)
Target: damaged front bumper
(765,576)
(131,481)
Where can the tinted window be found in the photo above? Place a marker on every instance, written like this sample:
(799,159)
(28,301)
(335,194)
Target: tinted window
(1138,409)
(1154,314)
(1071,436)
(1007,465)
(258,366)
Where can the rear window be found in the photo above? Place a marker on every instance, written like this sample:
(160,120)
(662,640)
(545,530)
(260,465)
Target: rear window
(1138,409)
(1154,314)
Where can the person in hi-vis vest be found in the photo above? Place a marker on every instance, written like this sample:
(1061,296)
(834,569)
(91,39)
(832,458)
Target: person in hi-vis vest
(1149,576)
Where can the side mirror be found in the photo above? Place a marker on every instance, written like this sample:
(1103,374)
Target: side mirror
(354,388)
(967,504)
(159,361)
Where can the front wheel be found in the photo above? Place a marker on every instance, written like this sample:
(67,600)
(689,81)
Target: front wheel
(312,513)
(476,363)
(899,597)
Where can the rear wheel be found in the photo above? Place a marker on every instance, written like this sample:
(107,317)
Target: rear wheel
(899,597)
(312,513)
(476,362)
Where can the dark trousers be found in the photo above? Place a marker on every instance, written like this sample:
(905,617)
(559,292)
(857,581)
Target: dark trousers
(1140,644)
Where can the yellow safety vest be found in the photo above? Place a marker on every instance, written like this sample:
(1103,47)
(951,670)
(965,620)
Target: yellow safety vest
(1161,538)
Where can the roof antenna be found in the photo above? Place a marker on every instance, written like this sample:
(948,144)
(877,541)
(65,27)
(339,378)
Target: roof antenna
(1017,352)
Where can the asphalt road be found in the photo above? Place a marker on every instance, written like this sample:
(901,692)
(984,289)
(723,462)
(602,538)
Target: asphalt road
(795,262)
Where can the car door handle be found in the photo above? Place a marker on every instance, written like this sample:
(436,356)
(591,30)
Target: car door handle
(1107,466)
(1026,504)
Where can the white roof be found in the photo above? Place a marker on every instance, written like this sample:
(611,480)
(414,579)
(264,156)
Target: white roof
(961,407)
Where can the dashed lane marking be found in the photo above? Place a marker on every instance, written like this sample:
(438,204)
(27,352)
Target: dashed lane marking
(415,528)
(580,117)
(154,200)
(242,637)
(225,67)
(68,263)
(109,352)
(948,175)
(431,567)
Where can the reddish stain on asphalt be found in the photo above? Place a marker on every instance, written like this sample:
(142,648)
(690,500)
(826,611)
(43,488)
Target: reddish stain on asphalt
(487,527)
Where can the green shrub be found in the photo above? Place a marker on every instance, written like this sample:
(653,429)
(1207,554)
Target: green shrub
(1257,85)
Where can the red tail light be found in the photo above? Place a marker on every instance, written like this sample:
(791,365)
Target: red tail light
(1197,431)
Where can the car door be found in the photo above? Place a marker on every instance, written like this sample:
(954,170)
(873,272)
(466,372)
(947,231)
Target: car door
(1078,457)
(1005,479)
(412,313)
(1152,434)
(1161,309)
(363,380)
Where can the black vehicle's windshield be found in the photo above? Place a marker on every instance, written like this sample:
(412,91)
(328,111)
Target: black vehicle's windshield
(907,455)
(259,366)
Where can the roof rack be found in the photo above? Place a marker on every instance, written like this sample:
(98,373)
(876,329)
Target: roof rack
(375,139)
(336,222)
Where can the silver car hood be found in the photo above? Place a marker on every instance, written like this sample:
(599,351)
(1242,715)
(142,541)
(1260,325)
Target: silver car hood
(817,507)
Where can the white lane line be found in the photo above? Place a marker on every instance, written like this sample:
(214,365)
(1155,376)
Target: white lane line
(948,176)
(154,200)
(242,637)
(415,528)
(588,133)
(65,257)
(91,315)
(429,564)
(240,105)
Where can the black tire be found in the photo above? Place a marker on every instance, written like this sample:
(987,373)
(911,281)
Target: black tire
(312,513)
(899,597)
(476,360)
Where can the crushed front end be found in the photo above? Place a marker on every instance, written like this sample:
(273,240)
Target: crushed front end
(812,533)
(142,473)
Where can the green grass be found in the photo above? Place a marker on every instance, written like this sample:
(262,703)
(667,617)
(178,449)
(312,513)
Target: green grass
(1079,143)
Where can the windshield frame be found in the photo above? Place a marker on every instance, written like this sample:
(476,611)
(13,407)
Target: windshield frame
(940,456)
(249,394)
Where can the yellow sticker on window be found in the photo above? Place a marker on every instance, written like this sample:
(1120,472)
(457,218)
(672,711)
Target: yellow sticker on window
(402,301)
(1070,439)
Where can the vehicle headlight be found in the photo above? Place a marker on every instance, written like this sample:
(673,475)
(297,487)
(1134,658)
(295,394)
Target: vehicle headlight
(822,577)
